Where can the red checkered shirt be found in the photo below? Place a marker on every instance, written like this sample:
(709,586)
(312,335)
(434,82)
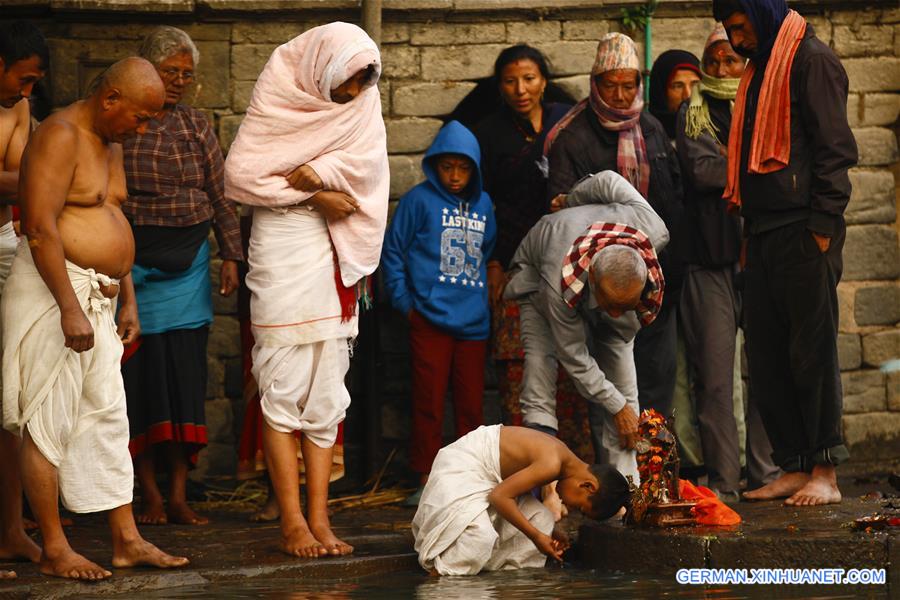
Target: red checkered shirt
(175,174)
(598,236)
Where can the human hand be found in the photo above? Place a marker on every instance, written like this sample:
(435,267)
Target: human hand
(558,203)
(496,280)
(550,547)
(626,424)
(822,241)
(77,330)
(561,538)
(334,206)
(305,179)
(228,277)
(129,327)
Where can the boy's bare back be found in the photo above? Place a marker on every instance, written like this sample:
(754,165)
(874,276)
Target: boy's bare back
(543,455)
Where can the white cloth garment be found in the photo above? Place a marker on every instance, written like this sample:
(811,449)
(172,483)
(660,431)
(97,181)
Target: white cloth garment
(73,404)
(456,530)
(8,243)
(294,295)
(301,388)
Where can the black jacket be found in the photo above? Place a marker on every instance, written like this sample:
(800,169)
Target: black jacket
(710,236)
(815,186)
(510,166)
(584,147)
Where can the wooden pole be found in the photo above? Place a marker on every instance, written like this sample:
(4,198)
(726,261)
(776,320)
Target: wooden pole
(371,19)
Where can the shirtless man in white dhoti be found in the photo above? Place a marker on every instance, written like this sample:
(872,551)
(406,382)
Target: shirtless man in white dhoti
(23,61)
(63,390)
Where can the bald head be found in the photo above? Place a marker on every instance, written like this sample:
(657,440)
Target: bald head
(136,79)
(127,95)
(619,274)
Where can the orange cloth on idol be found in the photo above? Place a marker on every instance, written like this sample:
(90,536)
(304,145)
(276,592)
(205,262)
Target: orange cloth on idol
(709,509)
(770,145)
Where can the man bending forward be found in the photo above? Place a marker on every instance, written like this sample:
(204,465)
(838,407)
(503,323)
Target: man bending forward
(62,386)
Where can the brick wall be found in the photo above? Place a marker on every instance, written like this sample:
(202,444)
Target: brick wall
(434,51)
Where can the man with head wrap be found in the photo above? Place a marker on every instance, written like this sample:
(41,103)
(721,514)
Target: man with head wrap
(674,74)
(710,306)
(788,154)
(610,131)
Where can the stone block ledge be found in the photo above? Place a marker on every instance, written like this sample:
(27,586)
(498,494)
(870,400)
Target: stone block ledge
(405,7)
(771,536)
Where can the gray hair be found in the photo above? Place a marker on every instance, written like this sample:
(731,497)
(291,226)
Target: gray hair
(621,266)
(165,42)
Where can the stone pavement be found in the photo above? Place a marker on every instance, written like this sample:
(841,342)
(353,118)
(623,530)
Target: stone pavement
(230,548)
(770,536)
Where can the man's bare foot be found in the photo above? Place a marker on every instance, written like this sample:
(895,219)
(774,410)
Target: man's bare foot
(72,565)
(332,544)
(29,525)
(7,574)
(820,489)
(152,513)
(140,552)
(269,512)
(18,546)
(302,543)
(183,514)
(786,485)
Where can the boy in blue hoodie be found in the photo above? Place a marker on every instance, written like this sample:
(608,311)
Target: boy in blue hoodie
(433,263)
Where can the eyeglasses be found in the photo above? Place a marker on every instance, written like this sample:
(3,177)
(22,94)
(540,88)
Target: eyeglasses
(174,74)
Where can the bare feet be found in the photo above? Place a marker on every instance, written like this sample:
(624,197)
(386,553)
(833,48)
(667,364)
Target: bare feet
(302,543)
(7,574)
(184,515)
(68,563)
(269,512)
(820,489)
(141,552)
(333,545)
(786,485)
(152,513)
(18,546)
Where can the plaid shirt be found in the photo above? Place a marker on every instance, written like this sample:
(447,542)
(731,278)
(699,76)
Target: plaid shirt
(175,174)
(597,237)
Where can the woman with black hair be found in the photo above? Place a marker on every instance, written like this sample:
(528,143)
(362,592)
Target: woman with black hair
(515,176)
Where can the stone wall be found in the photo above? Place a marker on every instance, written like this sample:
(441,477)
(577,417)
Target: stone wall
(434,53)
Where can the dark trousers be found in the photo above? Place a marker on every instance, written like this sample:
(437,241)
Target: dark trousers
(655,360)
(791,312)
(708,312)
(438,357)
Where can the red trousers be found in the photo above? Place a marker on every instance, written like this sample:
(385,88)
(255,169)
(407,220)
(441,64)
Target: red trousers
(438,357)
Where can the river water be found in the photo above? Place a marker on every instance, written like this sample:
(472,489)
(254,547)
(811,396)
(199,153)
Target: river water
(527,584)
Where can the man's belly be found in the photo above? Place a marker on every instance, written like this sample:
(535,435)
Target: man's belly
(97,237)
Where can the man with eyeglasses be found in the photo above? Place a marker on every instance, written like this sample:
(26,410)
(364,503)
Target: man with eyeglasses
(609,130)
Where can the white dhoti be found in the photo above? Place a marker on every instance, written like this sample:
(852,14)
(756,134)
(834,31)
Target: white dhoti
(8,243)
(456,530)
(73,404)
(301,351)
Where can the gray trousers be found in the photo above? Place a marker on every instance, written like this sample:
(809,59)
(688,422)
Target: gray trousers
(614,356)
(709,312)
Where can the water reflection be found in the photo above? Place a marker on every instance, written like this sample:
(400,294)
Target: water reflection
(526,584)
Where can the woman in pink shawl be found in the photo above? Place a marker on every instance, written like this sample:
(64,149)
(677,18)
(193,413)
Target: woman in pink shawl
(311,158)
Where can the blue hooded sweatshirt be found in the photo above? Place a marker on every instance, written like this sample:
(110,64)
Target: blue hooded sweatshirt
(436,246)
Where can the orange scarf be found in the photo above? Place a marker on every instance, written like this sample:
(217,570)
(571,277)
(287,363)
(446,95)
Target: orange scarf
(770,146)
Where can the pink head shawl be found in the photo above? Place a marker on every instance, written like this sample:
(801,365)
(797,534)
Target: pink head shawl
(292,121)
